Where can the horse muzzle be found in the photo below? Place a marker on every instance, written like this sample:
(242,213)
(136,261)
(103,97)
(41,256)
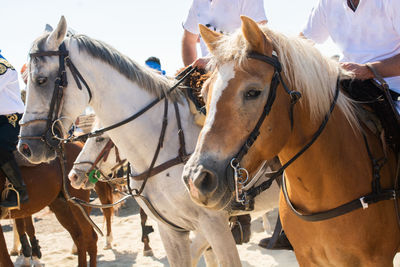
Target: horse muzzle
(206,186)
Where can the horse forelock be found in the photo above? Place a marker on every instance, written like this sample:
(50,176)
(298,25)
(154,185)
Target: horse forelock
(304,67)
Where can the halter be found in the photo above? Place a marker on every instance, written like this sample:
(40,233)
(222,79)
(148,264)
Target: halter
(94,173)
(53,129)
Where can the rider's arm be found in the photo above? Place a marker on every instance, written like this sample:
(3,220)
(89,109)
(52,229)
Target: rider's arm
(189,49)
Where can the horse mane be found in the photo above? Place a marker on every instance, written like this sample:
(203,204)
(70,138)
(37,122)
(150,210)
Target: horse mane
(145,77)
(304,67)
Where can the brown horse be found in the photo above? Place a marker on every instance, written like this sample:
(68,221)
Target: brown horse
(44,184)
(24,226)
(336,169)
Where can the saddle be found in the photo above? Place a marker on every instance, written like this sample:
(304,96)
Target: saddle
(377,108)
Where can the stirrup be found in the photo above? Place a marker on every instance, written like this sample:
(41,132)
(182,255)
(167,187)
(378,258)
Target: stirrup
(7,188)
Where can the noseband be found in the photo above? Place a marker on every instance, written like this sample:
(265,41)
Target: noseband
(53,122)
(94,173)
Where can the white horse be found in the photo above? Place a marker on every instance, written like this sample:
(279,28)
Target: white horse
(119,87)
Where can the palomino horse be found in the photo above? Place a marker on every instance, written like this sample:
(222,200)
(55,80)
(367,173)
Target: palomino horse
(137,140)
(44,184)
(335,170)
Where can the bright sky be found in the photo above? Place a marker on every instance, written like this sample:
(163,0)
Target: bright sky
(138,29)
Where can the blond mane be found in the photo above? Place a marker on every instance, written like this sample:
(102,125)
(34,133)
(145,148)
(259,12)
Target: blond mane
(304,67)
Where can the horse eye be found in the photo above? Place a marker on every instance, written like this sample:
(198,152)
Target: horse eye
(252,94)
(41,80)
(99,139)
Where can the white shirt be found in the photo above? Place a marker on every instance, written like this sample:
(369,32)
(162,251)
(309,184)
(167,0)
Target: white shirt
(10,94)
(221,15)
(369,34)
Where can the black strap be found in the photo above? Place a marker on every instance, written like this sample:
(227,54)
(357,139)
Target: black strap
(253,192)
(136,115)
(358,203)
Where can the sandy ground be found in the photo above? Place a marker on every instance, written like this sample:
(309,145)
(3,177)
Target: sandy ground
(128,249)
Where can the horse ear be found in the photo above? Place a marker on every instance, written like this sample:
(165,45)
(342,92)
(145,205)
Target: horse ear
(258,41)
(57,36)
(210,37)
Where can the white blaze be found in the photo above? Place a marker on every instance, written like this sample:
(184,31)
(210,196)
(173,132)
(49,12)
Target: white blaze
(225,74)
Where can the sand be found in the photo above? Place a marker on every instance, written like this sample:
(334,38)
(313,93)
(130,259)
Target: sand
(127,248)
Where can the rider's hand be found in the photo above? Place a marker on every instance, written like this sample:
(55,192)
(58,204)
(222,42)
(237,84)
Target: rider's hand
(361,71)
(201,63)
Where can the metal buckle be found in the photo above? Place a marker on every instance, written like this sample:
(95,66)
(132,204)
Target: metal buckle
(363,203)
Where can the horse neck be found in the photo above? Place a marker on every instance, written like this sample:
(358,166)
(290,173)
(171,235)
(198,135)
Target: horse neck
(335,169)
(116,98)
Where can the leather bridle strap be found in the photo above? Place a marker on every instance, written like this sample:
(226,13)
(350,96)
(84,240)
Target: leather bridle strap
(181,158)
(56,100)
(276,79)
(253,192)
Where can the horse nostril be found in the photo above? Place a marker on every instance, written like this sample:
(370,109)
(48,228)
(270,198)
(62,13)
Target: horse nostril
(26,150)
(73,178)
(206,182)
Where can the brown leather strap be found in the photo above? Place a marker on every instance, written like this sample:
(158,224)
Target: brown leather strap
(160,168)
(377,75)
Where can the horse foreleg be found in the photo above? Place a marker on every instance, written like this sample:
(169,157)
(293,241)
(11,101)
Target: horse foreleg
(65,216)
(30,230)
(176,245)
(146,230)
(217,232)
(16,245)
(198,246)
(26,247)
(5,260)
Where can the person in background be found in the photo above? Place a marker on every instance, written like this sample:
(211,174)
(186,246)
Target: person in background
(219,15)
(11,109)
(155,63)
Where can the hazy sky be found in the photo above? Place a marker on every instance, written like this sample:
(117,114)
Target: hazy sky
(138,29)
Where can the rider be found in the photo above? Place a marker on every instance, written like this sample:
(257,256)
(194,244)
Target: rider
(368,34)
(11,109)
(222,16)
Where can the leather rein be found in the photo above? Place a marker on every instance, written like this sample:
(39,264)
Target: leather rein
(246,198)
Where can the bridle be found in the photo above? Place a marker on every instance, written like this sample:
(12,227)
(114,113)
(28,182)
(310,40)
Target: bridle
(53,131)
(234,171)
(94,173)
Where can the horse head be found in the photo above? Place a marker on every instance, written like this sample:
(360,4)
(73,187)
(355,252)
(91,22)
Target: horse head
(98,160)
(54,98)
(235,96)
